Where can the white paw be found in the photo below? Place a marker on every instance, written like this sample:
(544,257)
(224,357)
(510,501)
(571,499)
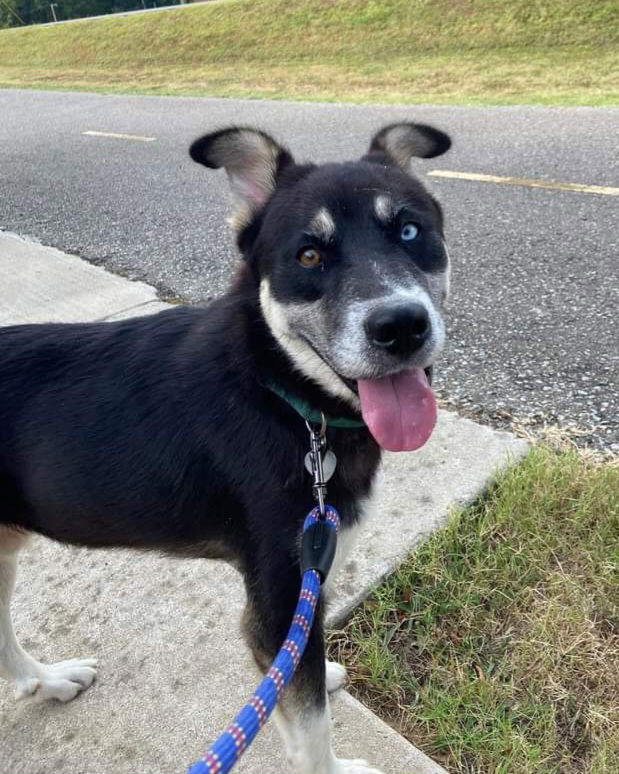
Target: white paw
(354,767)
(336,676)
(62,681)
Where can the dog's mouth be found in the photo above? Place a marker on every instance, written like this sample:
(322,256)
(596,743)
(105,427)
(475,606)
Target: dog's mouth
(399,409)
(352,383)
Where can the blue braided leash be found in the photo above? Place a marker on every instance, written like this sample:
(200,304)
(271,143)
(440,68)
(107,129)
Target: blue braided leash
(226,751)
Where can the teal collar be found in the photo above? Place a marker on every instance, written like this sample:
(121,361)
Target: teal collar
(308,413)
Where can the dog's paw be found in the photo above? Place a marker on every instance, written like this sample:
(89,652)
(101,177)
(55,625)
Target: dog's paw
(354,767)
(61,681)
(336,676)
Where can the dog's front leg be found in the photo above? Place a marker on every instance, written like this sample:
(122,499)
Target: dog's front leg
(302,715)
(63,680)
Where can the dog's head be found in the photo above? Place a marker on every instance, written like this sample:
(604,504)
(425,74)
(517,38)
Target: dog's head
(351,266)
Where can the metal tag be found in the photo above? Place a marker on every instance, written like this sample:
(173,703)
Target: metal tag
(329,463)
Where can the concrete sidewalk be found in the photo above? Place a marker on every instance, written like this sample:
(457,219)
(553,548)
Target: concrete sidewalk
(173,670)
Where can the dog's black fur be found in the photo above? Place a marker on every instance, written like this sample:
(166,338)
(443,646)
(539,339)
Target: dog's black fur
(158,432)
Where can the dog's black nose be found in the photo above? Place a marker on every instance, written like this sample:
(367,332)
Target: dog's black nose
(401,330)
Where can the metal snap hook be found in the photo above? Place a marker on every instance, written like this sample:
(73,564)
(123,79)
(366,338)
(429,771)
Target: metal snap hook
(323,426)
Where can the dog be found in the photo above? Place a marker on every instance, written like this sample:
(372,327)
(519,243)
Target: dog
(181,431)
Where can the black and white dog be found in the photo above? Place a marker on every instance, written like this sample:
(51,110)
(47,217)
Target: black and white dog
(176,431)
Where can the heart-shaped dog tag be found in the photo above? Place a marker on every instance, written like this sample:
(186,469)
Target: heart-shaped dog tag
(329,463)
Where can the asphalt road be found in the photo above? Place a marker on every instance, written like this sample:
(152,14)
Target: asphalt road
(533,316)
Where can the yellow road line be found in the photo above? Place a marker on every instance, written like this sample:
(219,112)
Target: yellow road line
(138,137)
(523,181)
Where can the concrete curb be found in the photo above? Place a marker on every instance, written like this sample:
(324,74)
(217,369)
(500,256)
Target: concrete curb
(42,284)
(173,667)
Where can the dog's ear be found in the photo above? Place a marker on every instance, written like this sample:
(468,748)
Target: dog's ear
(251,158)
(399,143)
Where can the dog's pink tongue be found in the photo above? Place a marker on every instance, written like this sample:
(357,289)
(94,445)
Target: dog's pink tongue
(399,410)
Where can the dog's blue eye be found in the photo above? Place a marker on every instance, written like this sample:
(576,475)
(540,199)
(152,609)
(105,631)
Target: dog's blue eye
(409,232)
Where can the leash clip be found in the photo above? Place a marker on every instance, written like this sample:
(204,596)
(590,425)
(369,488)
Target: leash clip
(317,445)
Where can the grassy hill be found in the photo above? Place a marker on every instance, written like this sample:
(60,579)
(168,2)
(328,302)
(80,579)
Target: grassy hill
(465,51)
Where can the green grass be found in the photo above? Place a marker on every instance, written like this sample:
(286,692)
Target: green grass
(442,51)
(495,648)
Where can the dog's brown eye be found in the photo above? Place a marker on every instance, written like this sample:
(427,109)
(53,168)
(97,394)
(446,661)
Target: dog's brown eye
(309,258)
